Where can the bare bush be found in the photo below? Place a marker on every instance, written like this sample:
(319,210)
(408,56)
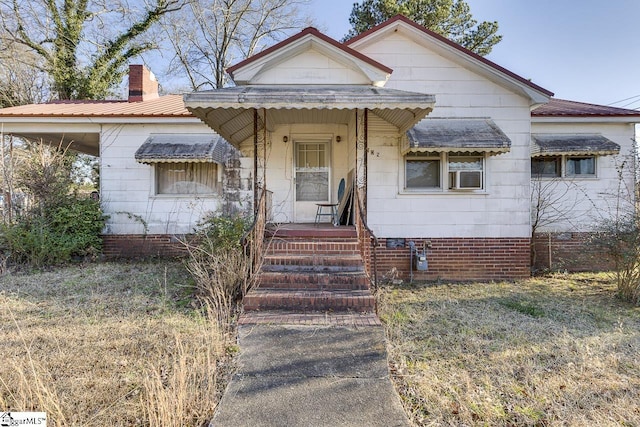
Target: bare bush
(220,268)
(620,240)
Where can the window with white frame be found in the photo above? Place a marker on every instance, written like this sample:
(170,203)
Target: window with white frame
(466,171)
(186,178)
(422,171)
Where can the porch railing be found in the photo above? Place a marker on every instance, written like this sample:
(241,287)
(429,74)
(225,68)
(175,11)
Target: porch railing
(366,234)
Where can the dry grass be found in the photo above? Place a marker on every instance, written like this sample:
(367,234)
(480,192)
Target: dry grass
(109,345)
(551,351)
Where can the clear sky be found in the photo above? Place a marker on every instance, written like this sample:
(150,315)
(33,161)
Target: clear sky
(582,50)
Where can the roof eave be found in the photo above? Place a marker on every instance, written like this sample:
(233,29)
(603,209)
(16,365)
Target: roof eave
(182,119)
(628,119)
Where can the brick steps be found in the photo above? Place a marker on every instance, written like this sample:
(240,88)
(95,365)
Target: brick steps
(307,247)
(312,280)
(310,277)
(315,263)
(305,300)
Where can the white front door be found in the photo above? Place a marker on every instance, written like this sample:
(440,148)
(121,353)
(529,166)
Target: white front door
(312,178)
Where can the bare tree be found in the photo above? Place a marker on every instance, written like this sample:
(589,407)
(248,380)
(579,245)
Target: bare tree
(209,35)
(553,201)
(84,45)
(21,81)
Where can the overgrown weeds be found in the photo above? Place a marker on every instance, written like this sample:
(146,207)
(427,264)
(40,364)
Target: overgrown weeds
(219,266)
(556,350)
(115,344)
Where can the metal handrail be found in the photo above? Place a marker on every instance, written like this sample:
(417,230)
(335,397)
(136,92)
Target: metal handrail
(245,236)
(373,238)
(257,228)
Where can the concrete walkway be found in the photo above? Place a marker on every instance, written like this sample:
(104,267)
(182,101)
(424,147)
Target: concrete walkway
(310,375)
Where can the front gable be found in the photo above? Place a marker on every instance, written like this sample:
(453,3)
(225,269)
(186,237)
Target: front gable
(399,36)
(310,57)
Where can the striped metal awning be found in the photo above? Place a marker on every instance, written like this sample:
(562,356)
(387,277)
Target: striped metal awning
(572,144)
(163,148)
(456,135)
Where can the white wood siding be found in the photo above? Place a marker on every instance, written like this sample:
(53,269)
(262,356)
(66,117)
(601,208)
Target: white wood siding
(310,67)
(503,209)
(126,186)
(585,202)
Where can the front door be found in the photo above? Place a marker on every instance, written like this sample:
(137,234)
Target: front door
(311,178)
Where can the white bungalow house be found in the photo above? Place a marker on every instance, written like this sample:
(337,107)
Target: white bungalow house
(435,145)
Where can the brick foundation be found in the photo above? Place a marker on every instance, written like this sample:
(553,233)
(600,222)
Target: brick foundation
(460,259)
(449,258)
(567,251)
(141,246)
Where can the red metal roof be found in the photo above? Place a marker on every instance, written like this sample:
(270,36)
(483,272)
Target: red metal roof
(465,51)
(562,107)
(164,106)
(318,34)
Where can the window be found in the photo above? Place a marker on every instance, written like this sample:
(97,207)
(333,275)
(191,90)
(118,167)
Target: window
(186,178)
(465,172)
(422,171)
(546,166)
(312,172)
(580,166)
(563,166)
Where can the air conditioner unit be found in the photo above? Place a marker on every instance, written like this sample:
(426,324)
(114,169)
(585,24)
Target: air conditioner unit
(465,180)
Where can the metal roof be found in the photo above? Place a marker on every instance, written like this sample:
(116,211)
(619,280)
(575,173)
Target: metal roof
(572,144)
(562,107)
(164,106)
(229,111)
(177,147)
(457,134)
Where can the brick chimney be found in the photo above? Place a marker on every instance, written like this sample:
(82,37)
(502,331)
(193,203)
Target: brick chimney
(143,85)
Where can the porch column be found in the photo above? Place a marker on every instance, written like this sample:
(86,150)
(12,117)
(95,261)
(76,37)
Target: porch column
(255,161)
(362,148)
(260,141)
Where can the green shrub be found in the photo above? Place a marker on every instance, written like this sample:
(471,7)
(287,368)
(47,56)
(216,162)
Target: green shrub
(56,235)
(222,232)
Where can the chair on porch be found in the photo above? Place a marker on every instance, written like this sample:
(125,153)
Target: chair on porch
(332,207)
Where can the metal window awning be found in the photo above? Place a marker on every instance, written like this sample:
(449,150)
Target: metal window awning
(229,111)
(572,144)
(164,148)
(456,135)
